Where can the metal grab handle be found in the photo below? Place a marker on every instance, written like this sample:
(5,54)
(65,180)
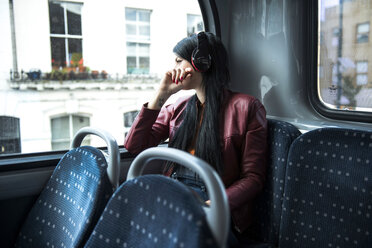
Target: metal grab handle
(113,151)
(219,215)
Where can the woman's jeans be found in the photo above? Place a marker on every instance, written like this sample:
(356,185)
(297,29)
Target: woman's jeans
(194,184)
(198,187)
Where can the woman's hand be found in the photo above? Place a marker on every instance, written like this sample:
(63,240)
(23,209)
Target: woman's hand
(172,80)
(169,85)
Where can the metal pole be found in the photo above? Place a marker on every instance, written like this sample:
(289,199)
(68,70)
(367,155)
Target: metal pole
(14,44)
(339,56)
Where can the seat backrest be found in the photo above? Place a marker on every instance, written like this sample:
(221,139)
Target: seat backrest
(74,197)
(268,205)
(71,202)
(152,211)
(156,211)
(328,190)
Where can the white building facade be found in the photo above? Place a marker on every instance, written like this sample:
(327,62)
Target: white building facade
(94,62)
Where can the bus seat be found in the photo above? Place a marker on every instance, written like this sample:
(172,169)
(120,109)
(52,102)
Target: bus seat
(327,200)
(71,202)
(157,211)
(268,205)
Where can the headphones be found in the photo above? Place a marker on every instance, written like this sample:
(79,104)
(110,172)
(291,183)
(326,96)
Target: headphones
(201,59)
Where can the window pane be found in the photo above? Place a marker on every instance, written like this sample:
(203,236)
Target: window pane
(131,64)
(79,122)
(194,24)
(73,18)
(344,80)
(129,118)
(362,79)
(131,49)
(58,52)
(363,28)
(130,14)
(131,29)
(60,128)
(362,66)
(93,57)
(144,49)
(144,63)
(362,38)
(56,18)
(75,52)
(144,30)
(144,16)
(10,140)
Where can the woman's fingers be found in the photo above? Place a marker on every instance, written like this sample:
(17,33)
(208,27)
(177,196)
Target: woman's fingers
(179,74)
(185,73)
(174,73)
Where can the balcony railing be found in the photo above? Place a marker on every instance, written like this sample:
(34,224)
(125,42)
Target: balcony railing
(57,80)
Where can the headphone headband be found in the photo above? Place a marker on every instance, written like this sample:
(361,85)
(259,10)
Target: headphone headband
(200,58)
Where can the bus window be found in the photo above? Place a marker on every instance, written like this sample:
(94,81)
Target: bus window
(345,57)
(83,63)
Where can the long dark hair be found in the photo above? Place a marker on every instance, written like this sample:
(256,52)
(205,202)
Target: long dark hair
(215,80)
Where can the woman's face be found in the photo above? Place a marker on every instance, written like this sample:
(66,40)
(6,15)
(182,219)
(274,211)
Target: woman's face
(193,82)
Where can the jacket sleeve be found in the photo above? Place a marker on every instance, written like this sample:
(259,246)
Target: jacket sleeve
(149,129)
(253,160)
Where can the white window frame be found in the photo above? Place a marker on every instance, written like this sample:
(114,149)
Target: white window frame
(71,128)
(138,39)
(361,33)
(67,36)
(361,73)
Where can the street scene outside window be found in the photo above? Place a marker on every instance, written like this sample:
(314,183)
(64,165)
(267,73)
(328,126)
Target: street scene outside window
(83,63)
(345,54)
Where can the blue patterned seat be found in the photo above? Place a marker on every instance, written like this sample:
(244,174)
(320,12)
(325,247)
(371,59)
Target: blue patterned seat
(268,205)
(157,211)
(74,197)
(152,211)
(328,190)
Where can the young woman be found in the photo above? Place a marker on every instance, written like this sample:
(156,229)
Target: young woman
(228,130)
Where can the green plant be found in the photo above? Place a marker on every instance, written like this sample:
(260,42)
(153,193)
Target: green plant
(76,59)
(349,90)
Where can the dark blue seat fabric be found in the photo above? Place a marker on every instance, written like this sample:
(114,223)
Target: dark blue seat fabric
(72,201)
(268,205)
(328,190)
(152,211)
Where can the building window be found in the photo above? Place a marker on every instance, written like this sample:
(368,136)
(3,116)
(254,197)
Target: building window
(335,36)
(138,40)
(194,24)
(361,70)
(129,119)
(65,34)
(10,137)
(65,127)
(362,32)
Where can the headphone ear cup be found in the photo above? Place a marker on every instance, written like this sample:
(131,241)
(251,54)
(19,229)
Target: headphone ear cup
(200,58)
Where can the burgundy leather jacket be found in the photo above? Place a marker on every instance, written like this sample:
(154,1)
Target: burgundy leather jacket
(244,146)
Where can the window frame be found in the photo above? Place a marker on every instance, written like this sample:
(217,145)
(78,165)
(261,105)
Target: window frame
(312,54)
(361,73)
(70,126)
(66,36)
(138,39)
(357,33)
